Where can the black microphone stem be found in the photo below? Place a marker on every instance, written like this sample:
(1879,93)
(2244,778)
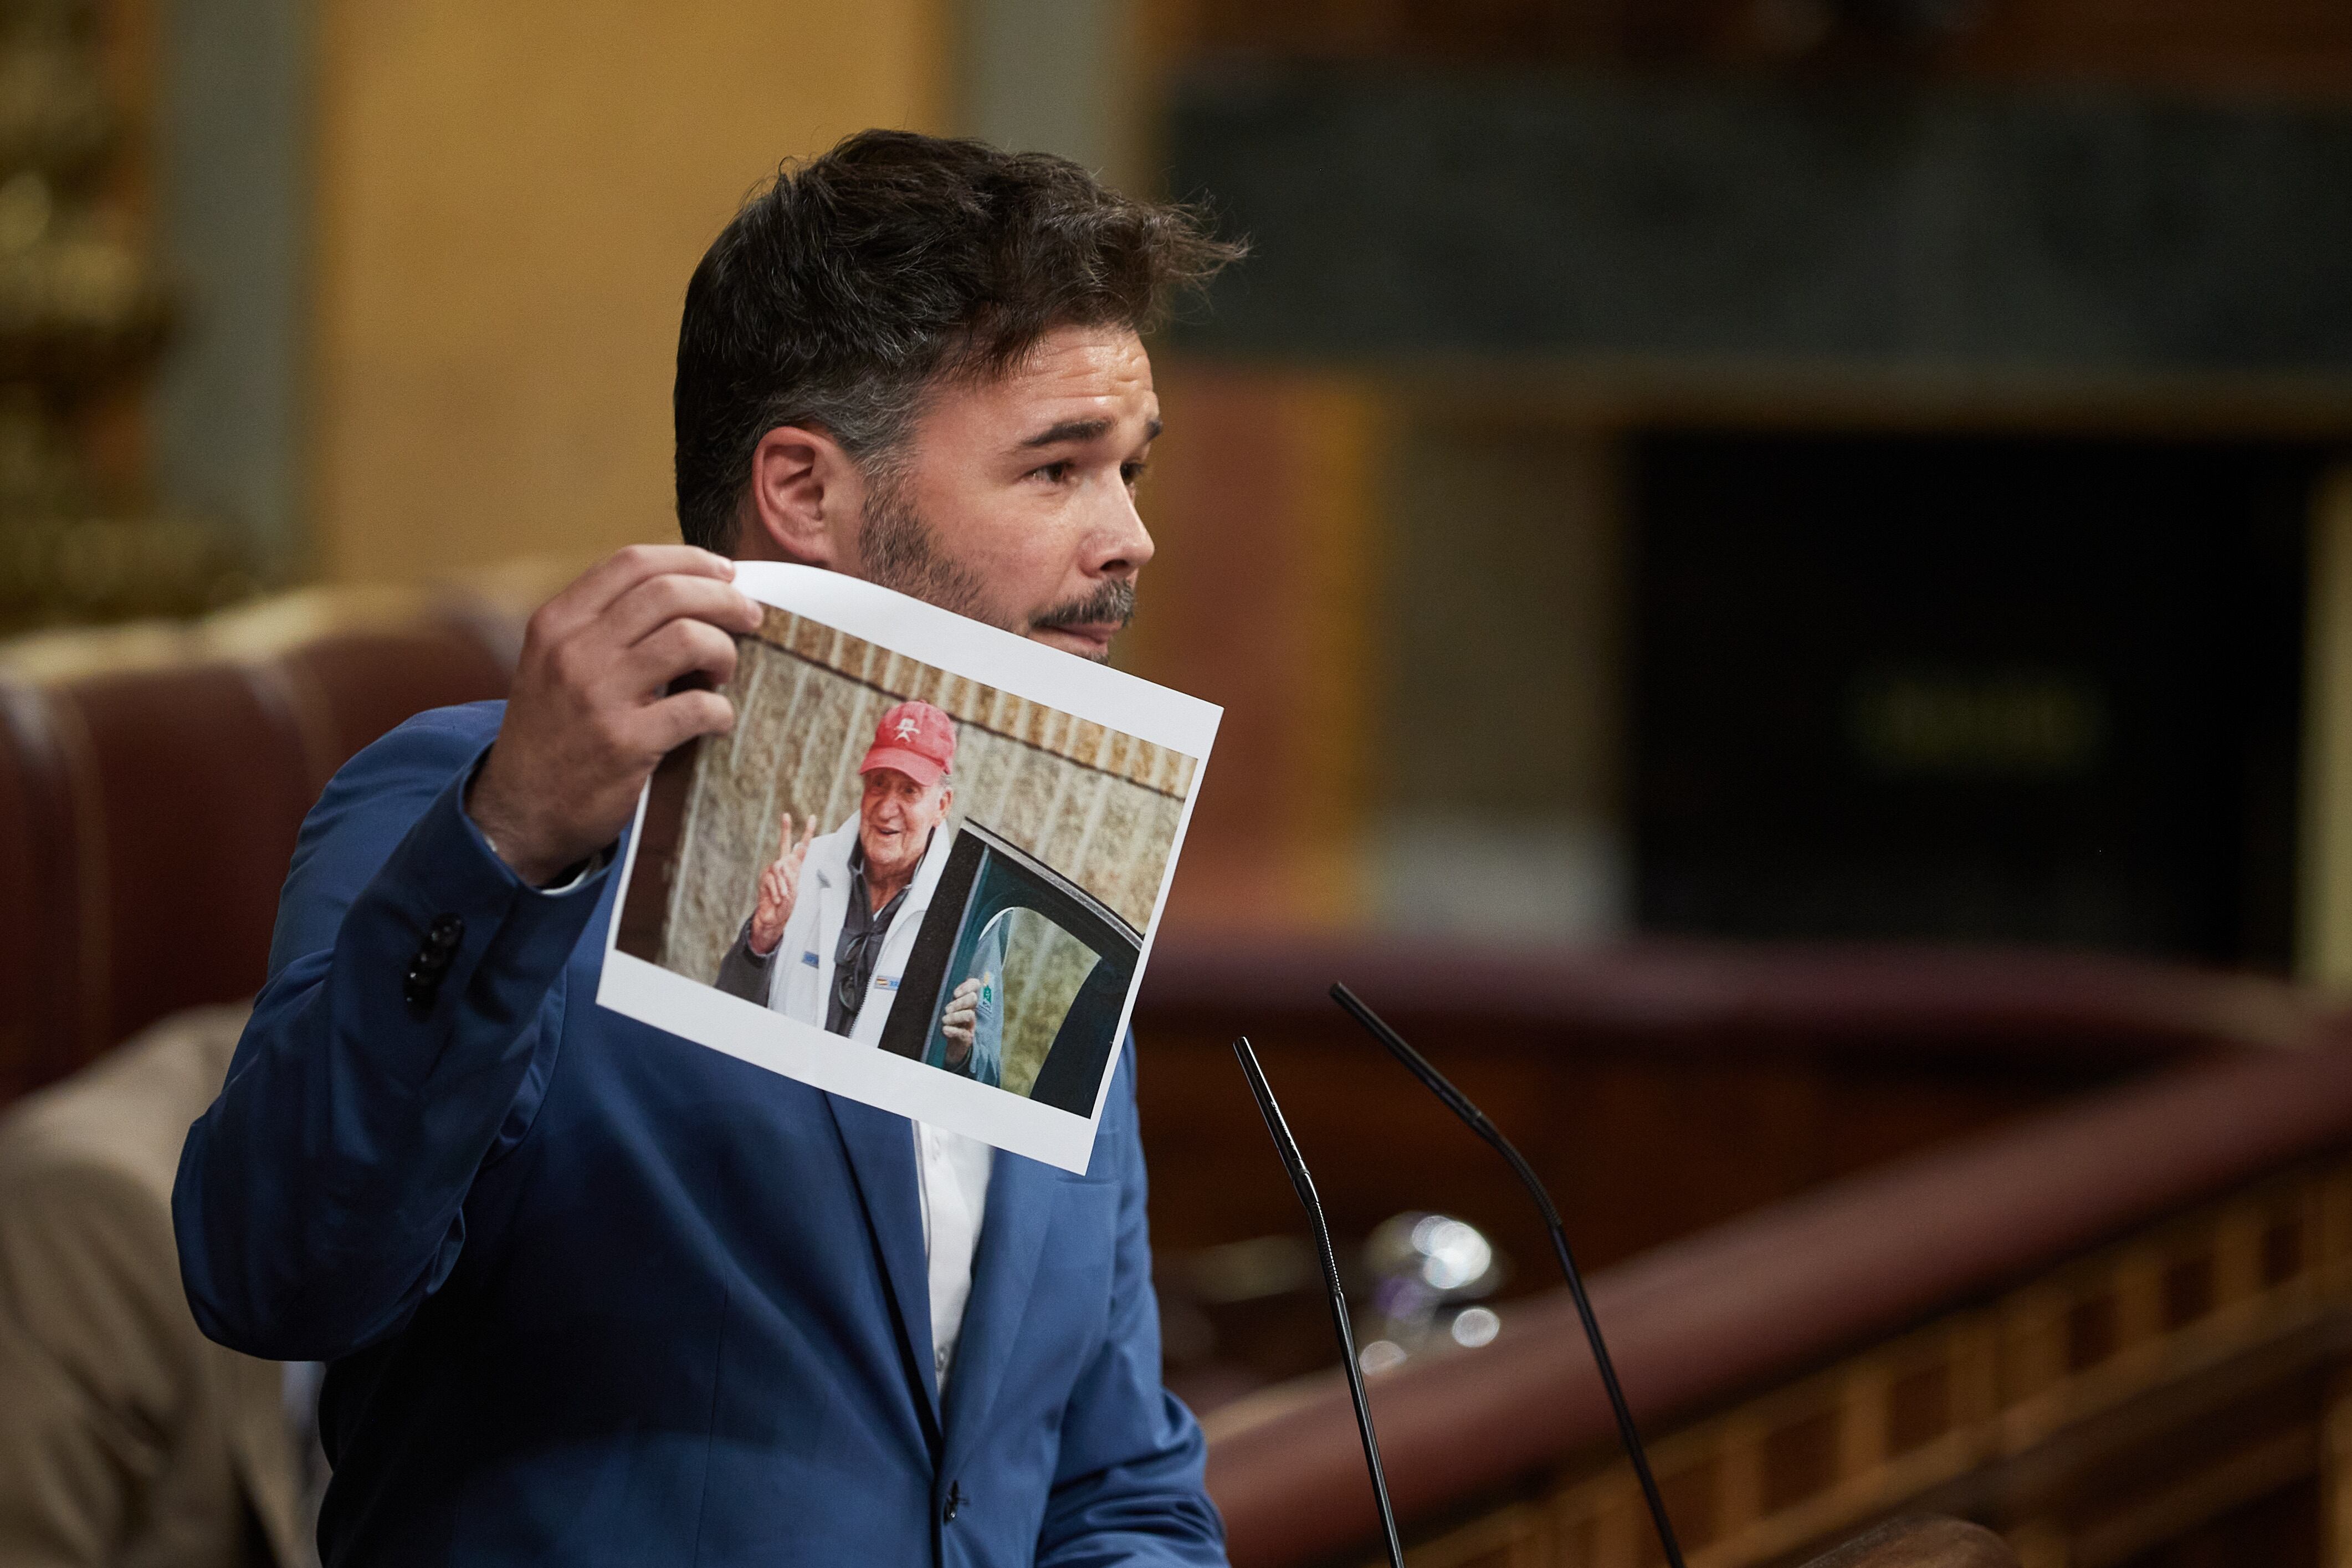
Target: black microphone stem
(1459,1103)
(1295,1164)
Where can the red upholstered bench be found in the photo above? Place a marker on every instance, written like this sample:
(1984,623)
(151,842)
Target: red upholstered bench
(151,781)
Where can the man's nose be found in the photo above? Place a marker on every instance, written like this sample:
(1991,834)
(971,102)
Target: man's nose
(1120,545)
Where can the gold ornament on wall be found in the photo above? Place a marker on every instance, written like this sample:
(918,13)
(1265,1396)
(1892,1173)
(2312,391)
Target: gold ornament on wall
(83,315)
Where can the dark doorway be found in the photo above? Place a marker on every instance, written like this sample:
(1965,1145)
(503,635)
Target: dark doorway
(1970,690)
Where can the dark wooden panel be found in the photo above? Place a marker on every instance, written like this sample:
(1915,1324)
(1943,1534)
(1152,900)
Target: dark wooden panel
(1970,689)
(1403,213)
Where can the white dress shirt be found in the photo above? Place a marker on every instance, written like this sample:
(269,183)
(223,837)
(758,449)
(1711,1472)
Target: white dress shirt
(952,1174)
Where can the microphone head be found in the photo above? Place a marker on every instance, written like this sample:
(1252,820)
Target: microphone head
(1437,1082)
(1277,1128)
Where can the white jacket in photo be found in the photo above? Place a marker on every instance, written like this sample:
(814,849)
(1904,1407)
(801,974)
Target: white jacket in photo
(799,971)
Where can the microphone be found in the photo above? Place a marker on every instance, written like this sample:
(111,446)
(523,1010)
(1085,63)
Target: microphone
(1305,1186)
(1459,1103)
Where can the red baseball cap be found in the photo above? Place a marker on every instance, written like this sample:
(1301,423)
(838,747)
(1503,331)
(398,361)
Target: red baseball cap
(915,738)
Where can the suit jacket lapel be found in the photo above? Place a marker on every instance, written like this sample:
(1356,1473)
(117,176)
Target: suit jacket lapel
(1012,1238)
(881,1149)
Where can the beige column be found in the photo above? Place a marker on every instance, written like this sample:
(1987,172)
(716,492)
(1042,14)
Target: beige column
(509,199)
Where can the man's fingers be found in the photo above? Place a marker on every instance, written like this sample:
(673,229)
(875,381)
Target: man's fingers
(681,648)
(679,718)
(604,583)
(593,591)
(583,722)
(652,603)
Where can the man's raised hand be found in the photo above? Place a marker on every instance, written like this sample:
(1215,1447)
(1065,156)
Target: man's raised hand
(590,711)
(780,887)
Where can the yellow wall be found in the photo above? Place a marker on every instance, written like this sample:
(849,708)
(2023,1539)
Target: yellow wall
(510,198)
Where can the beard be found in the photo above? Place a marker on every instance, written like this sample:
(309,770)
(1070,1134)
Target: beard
(902,553)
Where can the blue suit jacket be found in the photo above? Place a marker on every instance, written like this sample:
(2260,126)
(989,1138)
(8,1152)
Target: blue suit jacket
(592,1293)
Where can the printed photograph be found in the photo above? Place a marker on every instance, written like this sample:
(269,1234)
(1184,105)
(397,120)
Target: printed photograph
(912,861)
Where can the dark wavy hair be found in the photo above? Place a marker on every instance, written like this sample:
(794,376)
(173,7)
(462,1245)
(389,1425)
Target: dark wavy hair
(850,283)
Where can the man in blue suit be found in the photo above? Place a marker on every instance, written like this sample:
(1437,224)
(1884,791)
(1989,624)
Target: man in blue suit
(590,1293)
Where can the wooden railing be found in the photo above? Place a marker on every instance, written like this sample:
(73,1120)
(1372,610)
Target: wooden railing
(2099,1331)
(1661,1089)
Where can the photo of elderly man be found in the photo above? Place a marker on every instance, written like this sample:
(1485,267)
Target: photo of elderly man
(836,915)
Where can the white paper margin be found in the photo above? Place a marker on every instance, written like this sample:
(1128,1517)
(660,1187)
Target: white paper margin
(755,1034)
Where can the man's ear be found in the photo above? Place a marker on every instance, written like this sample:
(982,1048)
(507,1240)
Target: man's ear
(803,502)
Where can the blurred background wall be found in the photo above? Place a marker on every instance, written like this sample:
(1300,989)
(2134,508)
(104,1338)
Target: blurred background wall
(1770,469)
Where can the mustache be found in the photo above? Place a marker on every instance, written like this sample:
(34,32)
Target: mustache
(1111,604)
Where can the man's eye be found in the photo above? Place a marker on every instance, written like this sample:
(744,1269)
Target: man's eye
(1052,473)
(1130,472)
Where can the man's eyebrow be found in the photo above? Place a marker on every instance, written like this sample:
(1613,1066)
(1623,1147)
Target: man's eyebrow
(1082,430)
(1070,430)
